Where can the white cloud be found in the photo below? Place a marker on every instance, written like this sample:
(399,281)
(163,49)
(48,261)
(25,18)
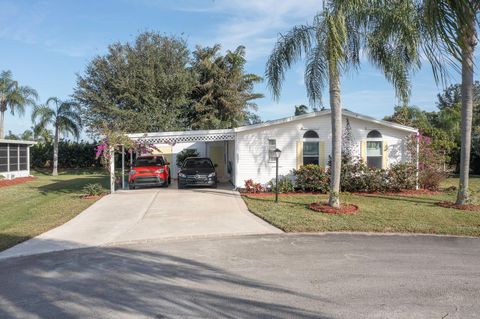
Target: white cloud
(254,23)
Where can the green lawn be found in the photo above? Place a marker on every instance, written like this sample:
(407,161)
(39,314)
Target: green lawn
(377,213)
(32,208)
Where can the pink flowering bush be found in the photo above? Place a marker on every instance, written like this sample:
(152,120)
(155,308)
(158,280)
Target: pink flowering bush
(430,162)
(114,140)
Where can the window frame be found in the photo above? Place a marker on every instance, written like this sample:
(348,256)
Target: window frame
(379,140)
(271,149)
(311,140)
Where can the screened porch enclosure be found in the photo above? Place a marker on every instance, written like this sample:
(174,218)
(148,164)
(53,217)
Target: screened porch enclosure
(15,158)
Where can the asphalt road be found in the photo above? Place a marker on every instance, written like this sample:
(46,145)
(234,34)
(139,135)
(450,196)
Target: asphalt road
(261,276)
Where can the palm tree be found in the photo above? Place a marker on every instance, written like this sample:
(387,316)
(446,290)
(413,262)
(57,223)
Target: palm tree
(301,109)
(13,96)
(223,95)
(332,45)
(63,116)
(450,39)
(42,134)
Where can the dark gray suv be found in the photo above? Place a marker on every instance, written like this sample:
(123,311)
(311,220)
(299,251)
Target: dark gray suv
(197,171)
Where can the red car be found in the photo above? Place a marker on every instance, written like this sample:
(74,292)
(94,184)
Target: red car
(149,170)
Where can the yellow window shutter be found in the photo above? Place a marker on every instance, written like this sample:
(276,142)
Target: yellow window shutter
(299,154)
(363,150)
(385,155)
(321,153)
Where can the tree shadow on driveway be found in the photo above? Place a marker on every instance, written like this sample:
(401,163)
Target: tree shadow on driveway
(124,282)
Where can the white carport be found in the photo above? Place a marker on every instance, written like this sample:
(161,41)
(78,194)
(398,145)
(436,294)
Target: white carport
(219,145)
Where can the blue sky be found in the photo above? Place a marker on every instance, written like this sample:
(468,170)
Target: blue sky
(46,43)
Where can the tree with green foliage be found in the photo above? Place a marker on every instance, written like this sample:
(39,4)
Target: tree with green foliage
(138,87)
(186,153)
(450,37)
(446,30)
(11,136)
(65,119)
(223,96)
(443,126)
(332,44)
(300,109)
(42,134)
(14,97)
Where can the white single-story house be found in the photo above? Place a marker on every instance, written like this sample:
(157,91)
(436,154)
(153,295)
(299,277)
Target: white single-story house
(15,158)
(247,152)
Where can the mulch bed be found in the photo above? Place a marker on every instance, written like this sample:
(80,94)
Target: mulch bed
(15,181)
(345,209)
(264,194)
(467,207)
(92,196)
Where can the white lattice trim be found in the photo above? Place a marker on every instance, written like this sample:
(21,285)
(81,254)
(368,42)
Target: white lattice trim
(188,138)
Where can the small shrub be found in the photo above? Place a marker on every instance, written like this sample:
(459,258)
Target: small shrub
(402,176)
(252,187)
(94,189)
(312,178)
(285,185)
(357,177)
(430,178)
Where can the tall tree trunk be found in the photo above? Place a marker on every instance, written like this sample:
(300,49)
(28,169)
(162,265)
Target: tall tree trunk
(2,121)
(55,152)
(336,118)
(467,110)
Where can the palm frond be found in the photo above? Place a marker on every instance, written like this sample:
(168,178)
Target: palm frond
(316,74)
(287,50)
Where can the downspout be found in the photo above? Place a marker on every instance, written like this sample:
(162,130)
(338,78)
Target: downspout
(417,186)
(235,161)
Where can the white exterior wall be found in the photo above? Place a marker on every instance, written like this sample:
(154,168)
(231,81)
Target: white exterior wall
(16,174)
(252,145)
(178,147)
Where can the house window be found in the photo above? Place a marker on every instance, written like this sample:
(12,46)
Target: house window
(272,145)
(311,149)
(374,149)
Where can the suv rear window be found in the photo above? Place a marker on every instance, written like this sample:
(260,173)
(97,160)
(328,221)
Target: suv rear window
(198,163)
(149,161)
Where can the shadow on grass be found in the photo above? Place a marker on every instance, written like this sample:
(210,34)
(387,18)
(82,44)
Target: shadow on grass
(73,171)
(281,200)
(122,281)
(9,240)
(413,199)
(71,186)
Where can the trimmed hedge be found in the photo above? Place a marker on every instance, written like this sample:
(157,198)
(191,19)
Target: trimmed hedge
(70,155)
(357,177)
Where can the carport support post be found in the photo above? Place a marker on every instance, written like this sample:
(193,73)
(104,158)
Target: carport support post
(112,169)
(123,166)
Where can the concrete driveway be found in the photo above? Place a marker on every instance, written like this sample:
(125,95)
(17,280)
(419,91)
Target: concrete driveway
(148,214)
(259,276)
